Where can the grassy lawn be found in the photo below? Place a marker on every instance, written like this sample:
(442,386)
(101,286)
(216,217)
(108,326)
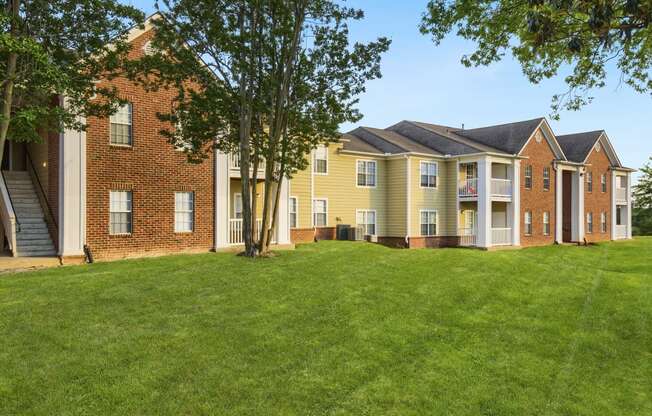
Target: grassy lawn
(335,328)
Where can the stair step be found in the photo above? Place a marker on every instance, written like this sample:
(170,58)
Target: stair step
(25,200)
(37,253)
(41,235)
(35,244)
(26,231)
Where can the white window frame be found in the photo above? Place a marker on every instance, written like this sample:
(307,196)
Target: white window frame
(546,178)
(365,213)
(530,177)
(295,213)
(546,223)
(190,211)
(527,220)
(603,222)
(436,175)
(357,172)
(589,182)
(589,222)
(314,160)
(237,196)
(113,120)
(421,224)
(129,211)
(325,213)
(603,182)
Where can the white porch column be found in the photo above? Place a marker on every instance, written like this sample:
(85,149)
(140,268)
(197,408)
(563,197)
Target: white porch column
(614,178)
(578,205)
(629,205)
(72,192)
(484,202)
(283,221)
(559,207)
(222,184)
(516,203)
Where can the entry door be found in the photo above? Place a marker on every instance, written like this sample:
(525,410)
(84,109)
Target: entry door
(567,207)
(5,157)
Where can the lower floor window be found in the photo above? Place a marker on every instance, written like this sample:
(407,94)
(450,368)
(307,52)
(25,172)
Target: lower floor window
(428,222)
(528,223)
(589,222)
(120,210)
(367,219)
(546,223)
(603,222)
(184,207)
(319,213)
(294,207)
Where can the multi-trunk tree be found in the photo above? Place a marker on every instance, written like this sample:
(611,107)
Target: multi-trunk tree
(549,36)
(58,48)
(268,79)
(642,207)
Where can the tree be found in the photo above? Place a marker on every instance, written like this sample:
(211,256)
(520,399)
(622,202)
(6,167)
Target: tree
(642,212)
(51,48)
(269,79)
(546,36)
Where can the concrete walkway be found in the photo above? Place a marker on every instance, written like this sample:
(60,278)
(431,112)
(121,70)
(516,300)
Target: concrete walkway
(10,264)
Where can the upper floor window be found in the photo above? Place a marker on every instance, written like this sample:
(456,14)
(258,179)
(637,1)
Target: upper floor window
(589,222)
(546,223)
(319,213)
(120,126)
(184,207)
(589,181)
(528,222)
(428,174)
(603,182)
(622,182)
(367,219)
(294,209)
(546,179)
(120,210)
(428,222)
(528,177)
(320,160)
(366,173)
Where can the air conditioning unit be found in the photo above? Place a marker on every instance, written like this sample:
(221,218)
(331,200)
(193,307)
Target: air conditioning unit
(342,231)
(356,233)
(372,238)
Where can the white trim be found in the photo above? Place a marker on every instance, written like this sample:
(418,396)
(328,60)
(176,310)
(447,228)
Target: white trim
(609,149)
(484,202)
(425,162)
(191,211)
(629,206)
(282,231)
(543,222)
(408,193)
(296,213)
(559,206)
(429,210)
(313,212)
(235,211)
(375,163)
(550,138)
(222,197)
(525,223)
(516,203)
(130,212)
(360,210)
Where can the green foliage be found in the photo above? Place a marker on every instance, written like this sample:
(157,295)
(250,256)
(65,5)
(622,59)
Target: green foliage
(546,36)
(63,47)
(642,210)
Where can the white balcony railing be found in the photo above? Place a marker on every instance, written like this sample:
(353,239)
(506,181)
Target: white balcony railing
(234,161)
(501,236)
(501,187)
(468,187)
(621,194)
(468,237)
(235,230)
(621,231)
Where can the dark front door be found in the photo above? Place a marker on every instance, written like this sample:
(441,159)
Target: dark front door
(567,196)
(5,157)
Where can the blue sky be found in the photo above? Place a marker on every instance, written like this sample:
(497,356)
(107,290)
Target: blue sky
(428,83)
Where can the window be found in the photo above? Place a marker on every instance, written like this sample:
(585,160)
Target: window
(622,182)
(546,223)
(294,209)
(367,219)
(589,181)
(528,177)
(428,222)
(319,213)
(546,179)
(603,181)
(428,174)
(366,173)
(184,206)
(589,222)
(603,222)
(237,206)
(120,125)
(619,215)
(320,160)
(528,223)
(120,212)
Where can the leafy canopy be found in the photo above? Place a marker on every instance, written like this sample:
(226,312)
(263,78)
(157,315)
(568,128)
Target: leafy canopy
(547,36)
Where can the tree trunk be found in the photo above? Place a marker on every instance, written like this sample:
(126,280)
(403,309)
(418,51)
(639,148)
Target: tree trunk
(10,75)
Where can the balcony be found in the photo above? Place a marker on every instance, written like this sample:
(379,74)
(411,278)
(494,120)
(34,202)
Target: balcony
(235,230)
(468,188)
(501,236)
(234,162)
(621,232)
(468,237)
(501,188)
(621,194)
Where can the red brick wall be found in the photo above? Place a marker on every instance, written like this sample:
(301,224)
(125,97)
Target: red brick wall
(537,200)
(433,242)
(302,235)
(153,170)
(597,201)
(325,233)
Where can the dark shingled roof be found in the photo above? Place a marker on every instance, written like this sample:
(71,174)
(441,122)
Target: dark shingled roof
(430,139)
(509,138)
(449,132)
(389,141)
(577,146)
(355,144)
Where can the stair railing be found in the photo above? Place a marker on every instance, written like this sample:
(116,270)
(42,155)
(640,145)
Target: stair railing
(9,219)
(42,196)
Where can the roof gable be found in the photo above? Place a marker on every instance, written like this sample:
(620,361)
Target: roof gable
(508,138)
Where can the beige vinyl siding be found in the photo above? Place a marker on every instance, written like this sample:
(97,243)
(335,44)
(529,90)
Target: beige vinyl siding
(236,188)
(438,198)
(396,198)
(300,188)
(344,197)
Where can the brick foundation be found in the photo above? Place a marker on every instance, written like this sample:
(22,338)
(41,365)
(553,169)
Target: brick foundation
(302,235)
(325,233)
(433,242)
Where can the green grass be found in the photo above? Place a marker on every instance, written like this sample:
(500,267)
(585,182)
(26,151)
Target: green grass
(335,328)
